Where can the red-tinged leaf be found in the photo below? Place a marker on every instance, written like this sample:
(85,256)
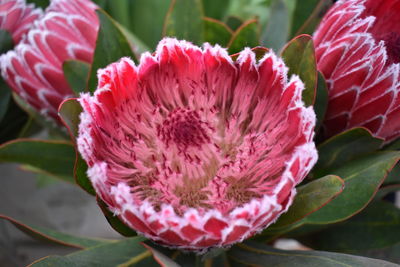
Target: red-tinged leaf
(77,74)
(216,32)
(184,20)
(69,112)
(163,260)
(299,56)
(54,158)
(344,147)
(377,226)
(247,35)
(234,22)
(55,236)
(121,253)
(256,254)
(310,198)
(111,45)
(114,221)
(309,16)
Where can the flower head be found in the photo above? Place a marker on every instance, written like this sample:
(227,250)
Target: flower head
(33,69)
(358,51)
(17,17)
(194,150)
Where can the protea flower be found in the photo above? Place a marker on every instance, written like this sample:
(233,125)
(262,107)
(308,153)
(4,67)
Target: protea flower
(33,69)
(17,17)
(358,51)
(193,150)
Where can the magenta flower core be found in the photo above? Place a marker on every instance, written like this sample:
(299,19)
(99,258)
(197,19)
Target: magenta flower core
(194,150)
(358,51)
(17,17)
(67,30)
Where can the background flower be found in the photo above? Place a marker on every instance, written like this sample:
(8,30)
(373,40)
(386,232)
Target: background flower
(358,51)
(17,17)
(194,150)
(33,69)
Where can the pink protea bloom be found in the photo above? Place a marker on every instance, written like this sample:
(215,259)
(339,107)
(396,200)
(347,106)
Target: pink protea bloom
(67,30)
(358,51)
(193,150)
(17,17)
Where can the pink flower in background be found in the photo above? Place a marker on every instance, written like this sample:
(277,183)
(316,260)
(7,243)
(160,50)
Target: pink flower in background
(193,150)
(358,51)
(17,17)
(67,30)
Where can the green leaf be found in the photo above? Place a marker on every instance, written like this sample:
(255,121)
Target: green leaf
(6,41)
(259,52)
(321,100)
(310,198)
(246,35)
(276,33)
(377,226)
(55,236)
(234,22)
(114,221)
(69,112)
(343,148)
(111,45)
(147,19)
(76,72)
(123,253)
(163,260)
(308,15)
(299,56)
(362,177)
(53,157)
(184,20)
(39,3)
(136,44)
(393,176)
(255,254)
(389,254)
(120,11)
(215,9)
(217,32)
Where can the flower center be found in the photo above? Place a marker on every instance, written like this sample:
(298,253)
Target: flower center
(184,128)
(392,43)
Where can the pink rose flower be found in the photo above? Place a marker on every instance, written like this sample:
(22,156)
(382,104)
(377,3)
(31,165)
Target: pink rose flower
(67,30)
(194,150)
(358,51)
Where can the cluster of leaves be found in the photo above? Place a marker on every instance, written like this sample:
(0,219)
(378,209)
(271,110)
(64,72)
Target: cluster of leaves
(339,208)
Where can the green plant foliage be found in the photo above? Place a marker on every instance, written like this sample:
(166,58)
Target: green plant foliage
(60,238)
(6,41)
(52,157)
(161,258)
(362,177)
(69,113)
(39,3)
(216,9)
(123,253)
(310,197)
(184,20)
(5,98)
(114,221)
(344,147)
(299,56)
(255,254)
(247,35)
(276,33)
(111,45)
(391,253)
(76,72)
(234,22)
(321,101)
(147,18)
(307,15)
(377,226)
(217,32)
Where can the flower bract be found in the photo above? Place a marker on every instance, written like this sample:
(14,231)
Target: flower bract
(194,150)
